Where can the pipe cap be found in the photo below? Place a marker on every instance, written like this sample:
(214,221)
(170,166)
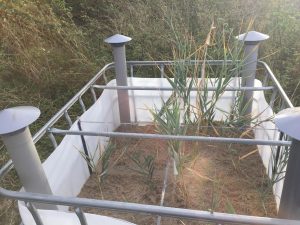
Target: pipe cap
(16,118)
(288,121)
(252,37)
(117,39)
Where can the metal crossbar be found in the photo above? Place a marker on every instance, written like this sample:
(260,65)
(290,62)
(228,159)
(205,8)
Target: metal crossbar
(79,203)
(148,88)
(172,137)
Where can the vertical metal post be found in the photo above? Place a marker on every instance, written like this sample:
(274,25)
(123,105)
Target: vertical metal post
(19,144)
(118,44)
(251,42)
(288,121)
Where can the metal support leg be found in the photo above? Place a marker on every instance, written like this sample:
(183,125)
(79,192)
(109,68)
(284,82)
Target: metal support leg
(287,121)
(290,198)
(20,146)
(251,42)
(81,216)
(34,213)
(118,43)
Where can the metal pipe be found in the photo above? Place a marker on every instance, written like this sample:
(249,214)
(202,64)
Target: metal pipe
(34,213)
(287,121)
(169,62)
(81,103)
(173,137)
(289,207)
(53,140)
(118,44)
(19,144)
(154,88)
(251,42)
(68,118)
(277,84)
(148,209)
(81,216)
(132,94)
(93,94)
(163,192)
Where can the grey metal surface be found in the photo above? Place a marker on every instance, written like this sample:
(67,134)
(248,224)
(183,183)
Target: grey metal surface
(81,216)
(172,137)
(163,192)
(93,94)
(155,88)
(68,118)
(290,198)
(34,213)
(118,44)
(117,39)
(252,37)
(288,121)
(81,103)
(147,209)
(278,86)
(53,140)
(16,118)
(251,42)
(27,163)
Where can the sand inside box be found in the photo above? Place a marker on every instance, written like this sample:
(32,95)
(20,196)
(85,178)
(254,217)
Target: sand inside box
(216,177)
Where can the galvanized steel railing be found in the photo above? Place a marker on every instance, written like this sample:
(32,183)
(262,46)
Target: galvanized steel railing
(270,83)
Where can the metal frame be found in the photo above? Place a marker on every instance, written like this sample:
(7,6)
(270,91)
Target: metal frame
(172,137)
(79,203)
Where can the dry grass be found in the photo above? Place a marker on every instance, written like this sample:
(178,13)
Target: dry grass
(214,178)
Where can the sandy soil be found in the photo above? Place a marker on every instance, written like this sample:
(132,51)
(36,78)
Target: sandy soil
(214,178)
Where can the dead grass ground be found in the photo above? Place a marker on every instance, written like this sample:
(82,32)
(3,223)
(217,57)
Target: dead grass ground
(214,178)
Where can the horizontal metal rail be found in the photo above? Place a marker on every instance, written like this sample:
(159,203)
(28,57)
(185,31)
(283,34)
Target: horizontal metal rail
(172,137)
(154,88)
(145,209)
(187,62)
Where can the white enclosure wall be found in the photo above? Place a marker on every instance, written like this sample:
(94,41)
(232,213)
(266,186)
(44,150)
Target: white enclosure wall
(67,170)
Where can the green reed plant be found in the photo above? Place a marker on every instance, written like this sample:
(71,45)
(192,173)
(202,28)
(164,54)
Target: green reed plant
(143,165)
(190,70)
(168,121)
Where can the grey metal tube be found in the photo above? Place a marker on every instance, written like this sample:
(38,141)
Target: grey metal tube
(121,78)
(81,216)
(154,88)
(34,213)
(148,209)
(290,198)
(163,192)
(118,42)
(23,153)
(251,41)
(248,75)
(277,85)
(172,137)
(169,62)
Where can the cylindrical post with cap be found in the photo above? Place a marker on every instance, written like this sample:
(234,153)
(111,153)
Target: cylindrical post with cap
(288,121)
(251,42)
(19,144)
(118,42)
